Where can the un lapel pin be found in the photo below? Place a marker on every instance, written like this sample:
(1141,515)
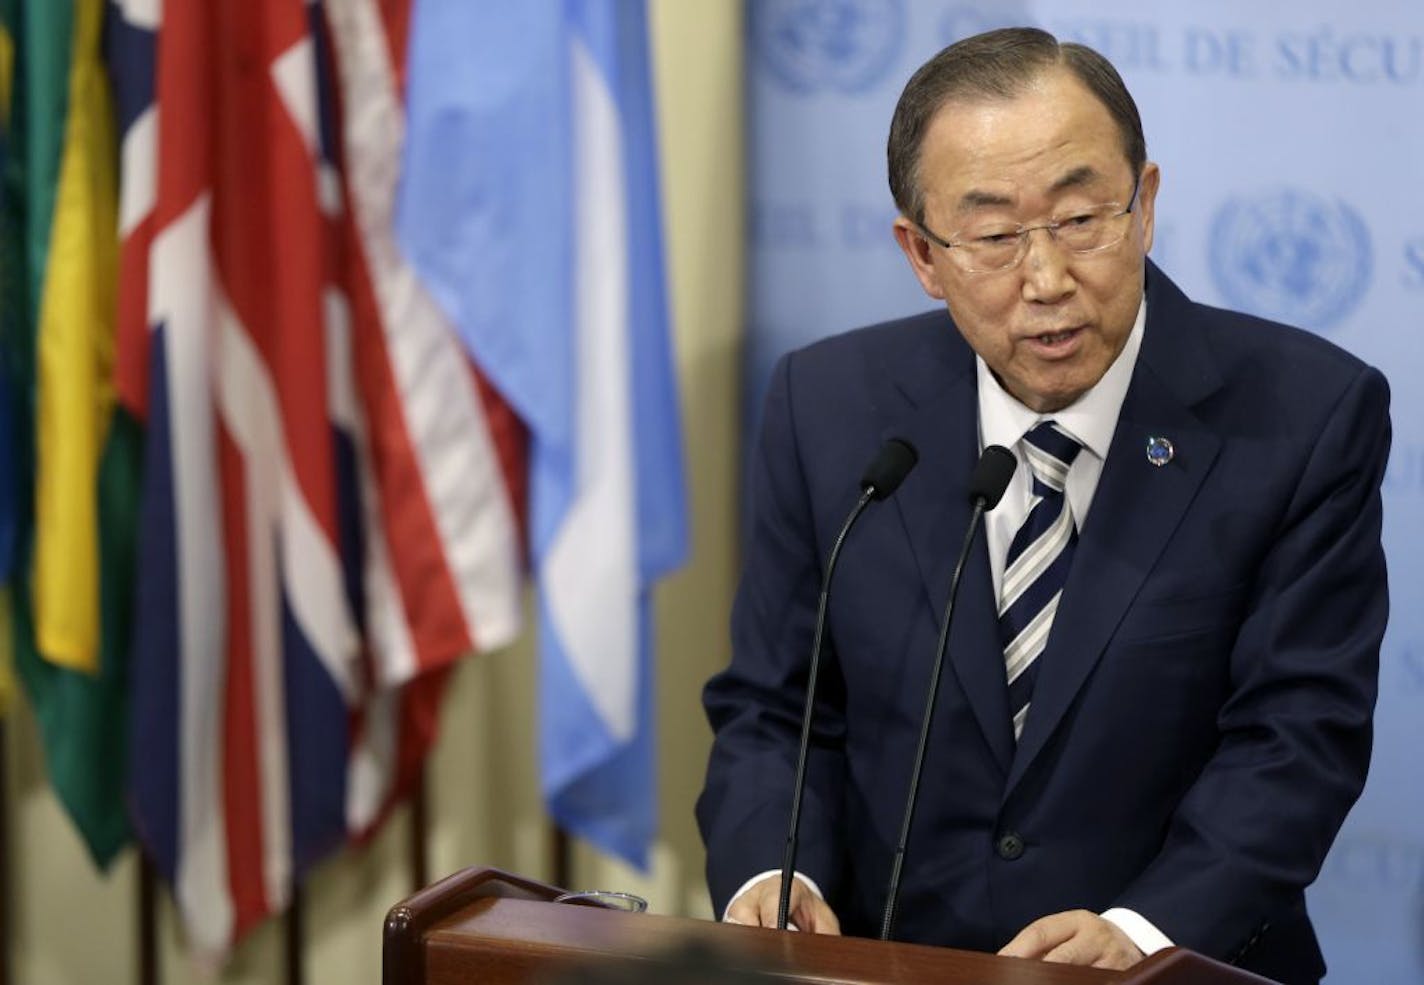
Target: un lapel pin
(1159,451)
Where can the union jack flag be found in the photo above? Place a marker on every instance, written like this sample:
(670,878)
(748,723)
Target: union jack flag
(331,505)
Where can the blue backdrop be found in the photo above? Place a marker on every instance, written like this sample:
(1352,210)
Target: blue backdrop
(1292,156)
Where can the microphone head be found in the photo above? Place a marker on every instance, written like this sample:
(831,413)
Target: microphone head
(991,476)
(893,462)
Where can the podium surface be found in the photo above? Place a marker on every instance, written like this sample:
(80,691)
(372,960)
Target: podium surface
(485,926)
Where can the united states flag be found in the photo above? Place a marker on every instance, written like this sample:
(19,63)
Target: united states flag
(330,497)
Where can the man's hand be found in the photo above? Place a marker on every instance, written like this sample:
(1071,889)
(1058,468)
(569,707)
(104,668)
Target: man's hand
(1075,937)
(757,907)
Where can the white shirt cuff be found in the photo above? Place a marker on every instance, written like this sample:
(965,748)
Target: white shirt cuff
(810,884)
(1139,930)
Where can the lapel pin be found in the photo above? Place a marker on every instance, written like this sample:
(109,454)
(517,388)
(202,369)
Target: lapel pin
(1159,451)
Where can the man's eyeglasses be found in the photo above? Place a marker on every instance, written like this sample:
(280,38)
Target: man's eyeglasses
(994,245)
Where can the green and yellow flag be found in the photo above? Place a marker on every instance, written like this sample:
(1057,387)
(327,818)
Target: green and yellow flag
(12,323)
(76,456)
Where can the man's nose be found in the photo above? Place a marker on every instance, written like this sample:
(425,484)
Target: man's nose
(1046,276)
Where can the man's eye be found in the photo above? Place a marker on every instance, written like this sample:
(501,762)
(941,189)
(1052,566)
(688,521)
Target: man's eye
(1083,219)
(996,239)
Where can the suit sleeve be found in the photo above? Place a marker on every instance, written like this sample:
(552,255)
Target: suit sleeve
(1295,733)
(755,705)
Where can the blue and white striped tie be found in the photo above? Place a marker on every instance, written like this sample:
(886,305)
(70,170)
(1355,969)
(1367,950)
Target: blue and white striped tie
(1037,564)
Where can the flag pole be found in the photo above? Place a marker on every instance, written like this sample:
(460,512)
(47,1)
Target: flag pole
(4,862)
(561,848)
(419,819)
(147,922)
(295,935)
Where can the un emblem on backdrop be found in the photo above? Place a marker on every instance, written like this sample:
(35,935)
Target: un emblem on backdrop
(1291,256)
(843,45)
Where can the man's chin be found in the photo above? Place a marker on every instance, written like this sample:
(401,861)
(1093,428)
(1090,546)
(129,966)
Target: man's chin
(1051,398)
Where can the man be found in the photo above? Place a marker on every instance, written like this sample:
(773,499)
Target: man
(1156,708)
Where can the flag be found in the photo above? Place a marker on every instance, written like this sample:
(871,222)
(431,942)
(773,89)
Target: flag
(543,242)
(73,455)
(327,517)
(446,482)
(11,320)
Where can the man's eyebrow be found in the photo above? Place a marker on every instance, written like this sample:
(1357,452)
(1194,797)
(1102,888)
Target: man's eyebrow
(977,198)
(1082,175)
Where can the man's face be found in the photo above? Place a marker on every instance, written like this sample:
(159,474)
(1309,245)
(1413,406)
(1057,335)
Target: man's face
(1052,325)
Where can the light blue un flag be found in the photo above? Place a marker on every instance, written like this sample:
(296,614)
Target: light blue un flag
(530,207)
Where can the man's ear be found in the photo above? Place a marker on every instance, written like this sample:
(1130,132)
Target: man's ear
(917,251)
(1147,202)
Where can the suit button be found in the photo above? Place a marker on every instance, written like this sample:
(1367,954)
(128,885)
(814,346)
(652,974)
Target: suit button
(1009,846)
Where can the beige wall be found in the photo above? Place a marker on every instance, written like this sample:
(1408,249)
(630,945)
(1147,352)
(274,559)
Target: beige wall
(71,926)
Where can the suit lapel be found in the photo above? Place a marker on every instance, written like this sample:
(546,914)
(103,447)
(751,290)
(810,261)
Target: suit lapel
(1136,508)
(941,420)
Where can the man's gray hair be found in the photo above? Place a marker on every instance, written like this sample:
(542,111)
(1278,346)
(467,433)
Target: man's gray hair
(997,65)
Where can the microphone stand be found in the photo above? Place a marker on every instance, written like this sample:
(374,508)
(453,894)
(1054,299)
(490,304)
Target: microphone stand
(897,866)
(788,865)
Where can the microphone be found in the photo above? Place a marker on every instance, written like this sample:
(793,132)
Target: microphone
(891,464)
(880,480)
(986,487)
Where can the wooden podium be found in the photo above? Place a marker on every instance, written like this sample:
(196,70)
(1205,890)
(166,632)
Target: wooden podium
(486,926)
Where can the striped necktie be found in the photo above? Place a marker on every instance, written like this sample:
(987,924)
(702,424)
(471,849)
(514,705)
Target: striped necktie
(1037,563)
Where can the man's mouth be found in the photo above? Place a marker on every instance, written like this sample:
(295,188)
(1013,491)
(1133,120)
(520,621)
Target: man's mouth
(1055,340)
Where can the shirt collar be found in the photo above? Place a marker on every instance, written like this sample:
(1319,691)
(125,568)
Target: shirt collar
(1091,418)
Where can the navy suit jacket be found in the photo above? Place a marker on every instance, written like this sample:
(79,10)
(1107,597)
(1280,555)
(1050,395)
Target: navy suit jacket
(1201,722)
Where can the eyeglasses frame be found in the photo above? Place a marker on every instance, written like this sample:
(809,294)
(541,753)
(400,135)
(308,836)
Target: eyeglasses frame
(1023,231)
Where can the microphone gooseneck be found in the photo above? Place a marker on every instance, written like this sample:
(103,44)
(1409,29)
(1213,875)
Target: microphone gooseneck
(986,487)
(881,478)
